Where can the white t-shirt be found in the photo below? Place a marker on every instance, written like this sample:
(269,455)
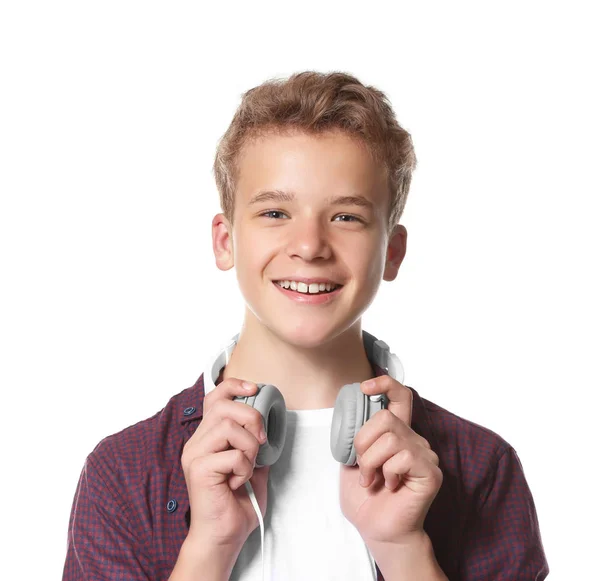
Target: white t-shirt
(306,536)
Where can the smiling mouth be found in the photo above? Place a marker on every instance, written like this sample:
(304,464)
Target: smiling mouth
(308,289)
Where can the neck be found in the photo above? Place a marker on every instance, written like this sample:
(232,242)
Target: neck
(308,377)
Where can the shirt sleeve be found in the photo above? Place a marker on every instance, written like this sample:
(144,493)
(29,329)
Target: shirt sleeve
(102,544)
(503,539)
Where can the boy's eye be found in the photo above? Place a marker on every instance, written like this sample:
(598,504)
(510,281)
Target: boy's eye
(271,212)
(352,218)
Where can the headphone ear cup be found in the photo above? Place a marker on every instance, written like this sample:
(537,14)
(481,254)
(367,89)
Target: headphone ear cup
(348,418)
(269,401)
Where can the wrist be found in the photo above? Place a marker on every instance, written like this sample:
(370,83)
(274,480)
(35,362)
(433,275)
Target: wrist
(413,558)
(200,559)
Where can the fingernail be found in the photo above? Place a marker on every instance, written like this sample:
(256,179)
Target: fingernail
(247,385)
(369,383)
(262,436)
(362,481)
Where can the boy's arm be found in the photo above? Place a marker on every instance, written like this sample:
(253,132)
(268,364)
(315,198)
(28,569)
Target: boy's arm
(201,560)
(502,540)
(102,543)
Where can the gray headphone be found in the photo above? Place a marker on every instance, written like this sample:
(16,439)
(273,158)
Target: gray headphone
(352,407)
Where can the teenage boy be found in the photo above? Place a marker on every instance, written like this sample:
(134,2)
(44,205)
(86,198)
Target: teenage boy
(313,175)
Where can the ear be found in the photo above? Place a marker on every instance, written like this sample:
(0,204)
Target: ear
(396,251)
(222,239)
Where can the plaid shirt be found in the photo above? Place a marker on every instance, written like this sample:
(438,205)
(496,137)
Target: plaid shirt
(131,514)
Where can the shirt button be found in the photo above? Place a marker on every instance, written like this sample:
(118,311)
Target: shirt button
(172,505)
(189,411)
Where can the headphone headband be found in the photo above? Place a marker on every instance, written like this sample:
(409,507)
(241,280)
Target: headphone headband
(378,352)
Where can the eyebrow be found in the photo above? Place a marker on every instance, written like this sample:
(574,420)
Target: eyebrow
(282,196)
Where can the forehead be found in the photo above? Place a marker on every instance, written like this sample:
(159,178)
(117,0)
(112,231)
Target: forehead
(331,163)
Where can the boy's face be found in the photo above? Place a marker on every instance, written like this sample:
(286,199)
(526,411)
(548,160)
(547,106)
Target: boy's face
(309,236)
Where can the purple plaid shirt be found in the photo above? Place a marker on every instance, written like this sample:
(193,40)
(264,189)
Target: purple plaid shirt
(131,514)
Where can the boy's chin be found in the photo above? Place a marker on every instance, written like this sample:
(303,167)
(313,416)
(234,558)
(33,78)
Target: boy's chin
(307,336)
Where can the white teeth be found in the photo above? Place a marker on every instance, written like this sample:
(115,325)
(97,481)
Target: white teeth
(302,287)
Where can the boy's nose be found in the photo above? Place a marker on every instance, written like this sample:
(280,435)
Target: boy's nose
(309,240)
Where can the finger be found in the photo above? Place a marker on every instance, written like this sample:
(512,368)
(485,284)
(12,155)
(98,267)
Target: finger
(415,470)
(384,448)
(230,465)
(400,397)
(227,434)
(228,389)
(389,444)
(381,423)
(245,415)
(396,467)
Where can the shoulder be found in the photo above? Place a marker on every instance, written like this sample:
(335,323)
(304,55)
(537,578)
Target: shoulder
(484,505)
(154,442)
(452,428)
(467,450)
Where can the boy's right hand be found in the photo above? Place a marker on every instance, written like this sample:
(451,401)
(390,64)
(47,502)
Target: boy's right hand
(221,512)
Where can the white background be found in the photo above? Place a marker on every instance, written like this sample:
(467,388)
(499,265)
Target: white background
(111,302)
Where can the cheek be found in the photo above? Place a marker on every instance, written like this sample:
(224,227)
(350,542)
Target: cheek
(372,262)
(251,256)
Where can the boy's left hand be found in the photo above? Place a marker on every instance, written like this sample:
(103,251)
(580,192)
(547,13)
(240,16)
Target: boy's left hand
(390,453)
